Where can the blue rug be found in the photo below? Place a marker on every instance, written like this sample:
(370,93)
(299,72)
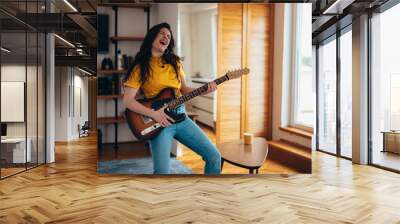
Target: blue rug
(139,166)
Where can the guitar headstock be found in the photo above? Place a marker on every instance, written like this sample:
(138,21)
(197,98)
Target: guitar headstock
(237,73)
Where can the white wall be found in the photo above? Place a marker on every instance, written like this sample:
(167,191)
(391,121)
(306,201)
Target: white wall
(61,103)
(69,82)
(197,24)
(282,72)
(169,13)
(81,108)
(203,60)
(184,48)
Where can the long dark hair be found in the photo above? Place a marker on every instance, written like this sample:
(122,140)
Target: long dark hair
(142,58)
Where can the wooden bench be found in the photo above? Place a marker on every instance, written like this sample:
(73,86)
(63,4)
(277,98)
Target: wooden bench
(291,155)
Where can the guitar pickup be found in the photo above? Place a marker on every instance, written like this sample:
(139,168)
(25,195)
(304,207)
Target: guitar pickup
(146,119)
(150,129)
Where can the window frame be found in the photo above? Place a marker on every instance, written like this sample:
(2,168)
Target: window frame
(296,58)
(334,37)
(370,35)
(320,47)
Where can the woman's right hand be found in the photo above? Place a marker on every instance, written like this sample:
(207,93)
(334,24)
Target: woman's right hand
(161,117)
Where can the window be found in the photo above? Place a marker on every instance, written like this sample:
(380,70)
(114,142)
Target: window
(394,101)
(303,81)
(385,89)
(22,73)
(346,94)
(335,74)
(327,96)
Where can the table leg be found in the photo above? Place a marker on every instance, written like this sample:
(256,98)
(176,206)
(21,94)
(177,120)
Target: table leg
(222,163)
(251,171)
(256,171)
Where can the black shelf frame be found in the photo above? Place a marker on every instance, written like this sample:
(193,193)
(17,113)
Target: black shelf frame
(115,9)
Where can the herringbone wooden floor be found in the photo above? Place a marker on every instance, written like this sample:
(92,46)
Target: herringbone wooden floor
(70,191)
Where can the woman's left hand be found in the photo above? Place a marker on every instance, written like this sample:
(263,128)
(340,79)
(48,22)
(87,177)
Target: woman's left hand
(212,86)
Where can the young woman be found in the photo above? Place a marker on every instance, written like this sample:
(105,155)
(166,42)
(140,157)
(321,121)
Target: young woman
(156,67)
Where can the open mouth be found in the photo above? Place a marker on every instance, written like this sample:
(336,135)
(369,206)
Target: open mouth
(163,42)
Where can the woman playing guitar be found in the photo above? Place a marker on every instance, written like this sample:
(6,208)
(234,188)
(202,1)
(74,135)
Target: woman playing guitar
(155,68)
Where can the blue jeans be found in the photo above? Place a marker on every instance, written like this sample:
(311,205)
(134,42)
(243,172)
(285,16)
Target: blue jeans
(189,134)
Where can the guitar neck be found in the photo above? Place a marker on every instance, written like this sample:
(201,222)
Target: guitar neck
(180,100)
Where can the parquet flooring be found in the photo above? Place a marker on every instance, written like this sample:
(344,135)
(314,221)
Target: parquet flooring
(70,191)
(196,164)
(10,171)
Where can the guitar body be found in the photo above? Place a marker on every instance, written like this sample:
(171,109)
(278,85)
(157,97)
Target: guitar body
(145,128)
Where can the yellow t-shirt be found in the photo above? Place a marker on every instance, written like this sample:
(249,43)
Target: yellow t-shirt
(161,76)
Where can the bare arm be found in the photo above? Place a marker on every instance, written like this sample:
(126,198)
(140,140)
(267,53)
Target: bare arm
(184,88)
(132,104)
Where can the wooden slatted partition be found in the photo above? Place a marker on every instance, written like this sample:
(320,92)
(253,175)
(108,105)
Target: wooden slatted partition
(229,57)
(245,39)
(259,60)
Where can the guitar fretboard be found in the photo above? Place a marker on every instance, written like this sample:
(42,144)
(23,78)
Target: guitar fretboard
(180,100)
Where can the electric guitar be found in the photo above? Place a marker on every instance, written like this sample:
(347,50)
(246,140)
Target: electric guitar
(145,128)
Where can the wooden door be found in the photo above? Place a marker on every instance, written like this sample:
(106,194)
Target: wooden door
(259,58)
(229,57)
(245,39)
